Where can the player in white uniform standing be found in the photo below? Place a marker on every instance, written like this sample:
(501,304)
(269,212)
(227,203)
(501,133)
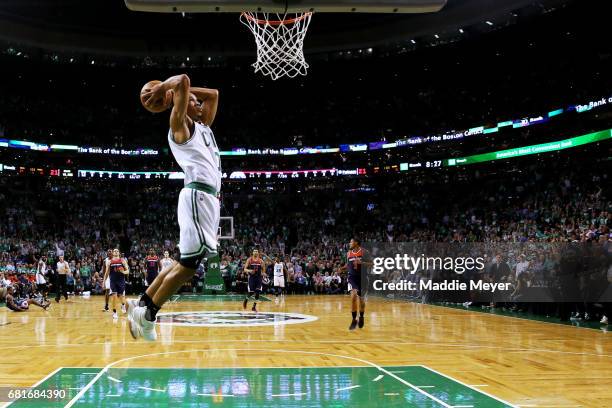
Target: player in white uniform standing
(106,278)
(166,262)
(195,149)
(279,277)
(41,280)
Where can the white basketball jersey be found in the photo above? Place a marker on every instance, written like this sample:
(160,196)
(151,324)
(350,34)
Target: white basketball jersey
(278,269)
(199,156)
(165,262)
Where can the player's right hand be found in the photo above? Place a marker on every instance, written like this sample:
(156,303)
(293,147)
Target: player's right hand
(154,94)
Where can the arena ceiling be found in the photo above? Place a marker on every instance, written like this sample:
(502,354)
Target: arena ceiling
(108,27)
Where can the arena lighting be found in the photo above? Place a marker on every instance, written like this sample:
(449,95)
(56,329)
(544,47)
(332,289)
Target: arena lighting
(595,137)
(64,147)
(236,175)
(555,113)
(355,147)
(489,23)
(533,149)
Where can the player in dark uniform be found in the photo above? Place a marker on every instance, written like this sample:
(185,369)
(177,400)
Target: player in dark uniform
(254,266)
(117,270)
(153,266)
(354,262)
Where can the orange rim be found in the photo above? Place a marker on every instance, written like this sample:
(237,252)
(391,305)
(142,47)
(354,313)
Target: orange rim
(276,22)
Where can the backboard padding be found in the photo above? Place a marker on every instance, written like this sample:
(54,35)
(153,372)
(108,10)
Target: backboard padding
(294,6)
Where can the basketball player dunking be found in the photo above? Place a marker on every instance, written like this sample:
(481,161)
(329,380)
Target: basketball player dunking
(254,266)
(354,263)
(195,149)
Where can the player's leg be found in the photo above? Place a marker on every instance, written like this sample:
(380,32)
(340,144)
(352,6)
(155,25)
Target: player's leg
(106,293)
(173,280)
(115,290)
(146,297)
(355,282)
(362,305)
(257,292)
(114,303)
(354,308)
(247,296)
(154,286)
(58,287)
(45,292)
(276,287)
(198,217)
(43,305)
(65,287)
(123,310)
(142,318)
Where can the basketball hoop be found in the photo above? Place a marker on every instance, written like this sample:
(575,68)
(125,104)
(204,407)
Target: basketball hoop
(280,42)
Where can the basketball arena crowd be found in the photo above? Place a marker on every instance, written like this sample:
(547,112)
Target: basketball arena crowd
(553,200)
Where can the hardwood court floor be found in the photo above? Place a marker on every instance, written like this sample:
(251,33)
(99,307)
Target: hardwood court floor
(407,355)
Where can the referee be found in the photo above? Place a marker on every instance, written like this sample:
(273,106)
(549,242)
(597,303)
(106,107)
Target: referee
(62,270)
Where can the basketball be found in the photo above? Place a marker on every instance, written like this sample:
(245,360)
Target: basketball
(158,105)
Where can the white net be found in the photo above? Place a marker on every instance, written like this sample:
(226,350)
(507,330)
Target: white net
(280,42)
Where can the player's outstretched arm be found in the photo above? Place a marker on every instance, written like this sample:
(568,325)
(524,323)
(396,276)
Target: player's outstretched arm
(210,98)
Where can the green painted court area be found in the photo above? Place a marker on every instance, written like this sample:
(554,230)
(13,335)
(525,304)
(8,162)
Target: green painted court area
(213,298)
(404,386)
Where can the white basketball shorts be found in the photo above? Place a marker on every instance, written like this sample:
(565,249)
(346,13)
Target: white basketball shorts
(198,218)
(107,283)
(279,281)
(40,279)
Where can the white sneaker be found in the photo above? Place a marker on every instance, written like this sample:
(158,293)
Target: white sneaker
(123,309)
(130,306)
(604,320)
(140,326)
(115,316)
